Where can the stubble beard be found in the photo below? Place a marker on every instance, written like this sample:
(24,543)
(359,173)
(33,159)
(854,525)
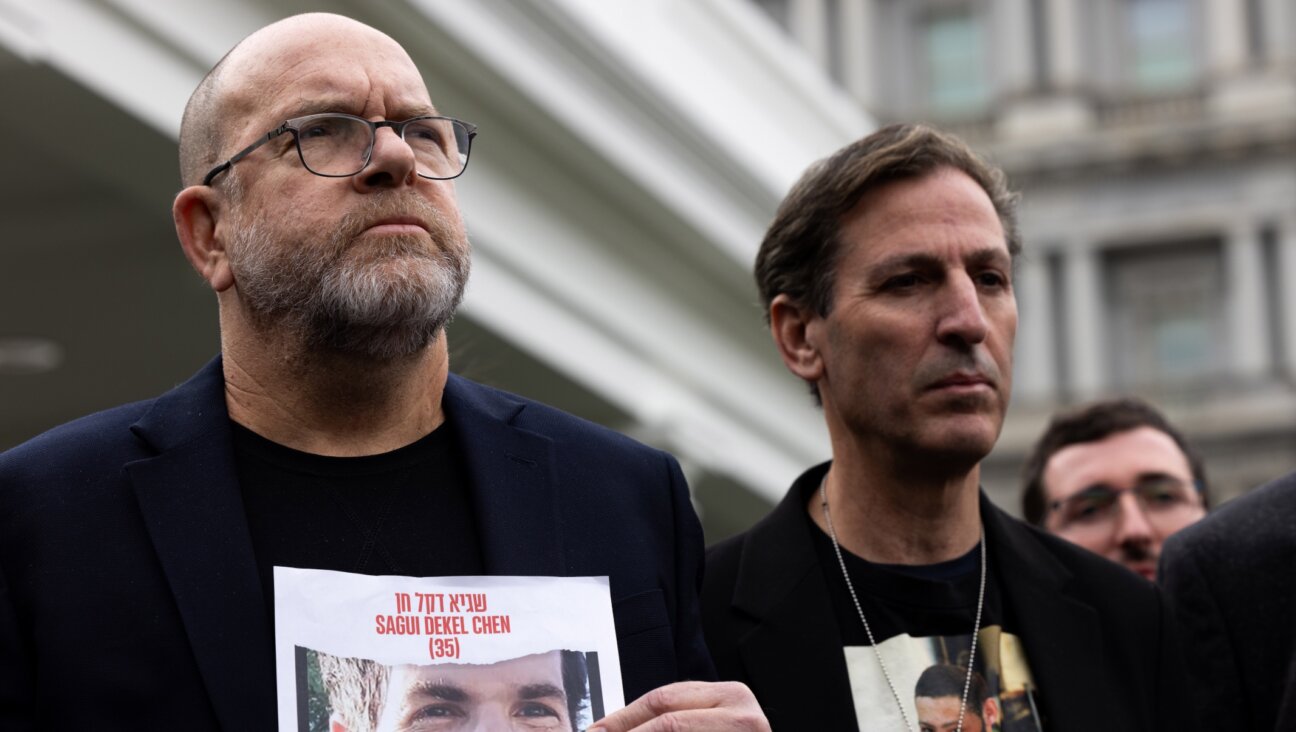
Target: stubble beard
(382,300)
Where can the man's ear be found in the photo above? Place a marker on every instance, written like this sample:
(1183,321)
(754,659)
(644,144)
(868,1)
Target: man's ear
(195,212)
(990,712)
(797,331)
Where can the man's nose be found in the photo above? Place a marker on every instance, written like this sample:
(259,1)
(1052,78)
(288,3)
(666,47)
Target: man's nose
(391,164)
(1132,525)
(962,314)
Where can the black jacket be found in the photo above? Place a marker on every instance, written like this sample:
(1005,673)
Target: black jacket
(129,594)
(1231,579)
(1097,638)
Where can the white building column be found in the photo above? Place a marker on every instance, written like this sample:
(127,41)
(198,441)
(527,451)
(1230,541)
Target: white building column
(1277,19)
(1287,291)
(1248,317)
(857,32)
(1084,317)
(808,23)
(1063,24)
(1012,36)
(1036,371)
(1226,37)
(1062,111)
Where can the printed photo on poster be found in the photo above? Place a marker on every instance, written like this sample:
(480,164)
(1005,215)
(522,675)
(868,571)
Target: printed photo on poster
(558,690)
(357,653)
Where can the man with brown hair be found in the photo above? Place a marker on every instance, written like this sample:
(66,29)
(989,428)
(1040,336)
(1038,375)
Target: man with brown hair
(1116,478)
(887,277)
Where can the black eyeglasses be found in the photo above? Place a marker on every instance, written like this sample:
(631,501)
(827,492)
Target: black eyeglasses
(337,145)
(1163,500)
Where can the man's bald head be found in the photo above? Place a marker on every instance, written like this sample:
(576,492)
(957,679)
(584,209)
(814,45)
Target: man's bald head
(200,134)
(230,90)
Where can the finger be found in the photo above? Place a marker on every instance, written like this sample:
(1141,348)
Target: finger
(679,697)
(721,719)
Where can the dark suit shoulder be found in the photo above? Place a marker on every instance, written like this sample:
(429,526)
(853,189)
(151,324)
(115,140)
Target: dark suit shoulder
(1259,523)
(1229,579)
(551,422)
(103,436)
(98,445)
(751,576)
(722,559)
(722,562)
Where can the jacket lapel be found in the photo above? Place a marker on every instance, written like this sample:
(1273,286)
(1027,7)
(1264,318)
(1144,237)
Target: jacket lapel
(1061,633)
(793,657)
(188,495)
(511,474)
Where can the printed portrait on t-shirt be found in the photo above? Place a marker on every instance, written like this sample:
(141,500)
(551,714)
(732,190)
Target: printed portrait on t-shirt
(931,679)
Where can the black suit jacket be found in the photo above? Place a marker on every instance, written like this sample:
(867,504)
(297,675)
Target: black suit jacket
(1095,634)
(129,595)
(1232,581)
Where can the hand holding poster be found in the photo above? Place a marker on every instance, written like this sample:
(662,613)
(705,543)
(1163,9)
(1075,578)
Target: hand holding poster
(372,654)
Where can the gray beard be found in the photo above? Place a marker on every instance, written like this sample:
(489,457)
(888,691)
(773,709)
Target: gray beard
(379,300)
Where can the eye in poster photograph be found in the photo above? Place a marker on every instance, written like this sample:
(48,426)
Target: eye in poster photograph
(356,653)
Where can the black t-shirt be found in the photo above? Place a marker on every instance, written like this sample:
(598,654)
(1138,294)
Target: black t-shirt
(406,512)
(922,618)
(918,600)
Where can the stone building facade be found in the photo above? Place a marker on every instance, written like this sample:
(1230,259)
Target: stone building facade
(1154,142)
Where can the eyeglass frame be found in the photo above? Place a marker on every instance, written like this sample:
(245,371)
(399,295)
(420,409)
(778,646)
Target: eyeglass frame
(397,127)
(1195,489)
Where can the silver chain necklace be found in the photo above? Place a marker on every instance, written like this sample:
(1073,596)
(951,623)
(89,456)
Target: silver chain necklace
(886,674)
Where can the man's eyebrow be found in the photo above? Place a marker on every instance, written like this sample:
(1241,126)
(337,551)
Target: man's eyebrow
(1151,475)
(990,255)
(540,691)
(438,689)
(316,106)
(1143,477)
(924,260)
(319,106)
(907,260)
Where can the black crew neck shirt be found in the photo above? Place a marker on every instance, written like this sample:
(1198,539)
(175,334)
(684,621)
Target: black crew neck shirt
(406,512)
(922,617)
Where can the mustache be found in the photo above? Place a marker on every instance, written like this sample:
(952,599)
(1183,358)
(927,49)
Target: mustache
(972,361)
(377,208)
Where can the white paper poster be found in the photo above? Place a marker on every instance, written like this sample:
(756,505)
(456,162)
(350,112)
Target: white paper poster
(380,654)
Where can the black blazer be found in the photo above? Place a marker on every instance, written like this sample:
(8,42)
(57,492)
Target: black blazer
(129,596)
(1232,581)
(1096,635)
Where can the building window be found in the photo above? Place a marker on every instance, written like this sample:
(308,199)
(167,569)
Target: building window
(1166,306)
(954,51)
(1160,34)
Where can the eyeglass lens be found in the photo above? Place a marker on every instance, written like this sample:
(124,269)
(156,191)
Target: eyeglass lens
(337,145)
(1161,498)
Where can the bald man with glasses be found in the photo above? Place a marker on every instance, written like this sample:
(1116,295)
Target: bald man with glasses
(137,545)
